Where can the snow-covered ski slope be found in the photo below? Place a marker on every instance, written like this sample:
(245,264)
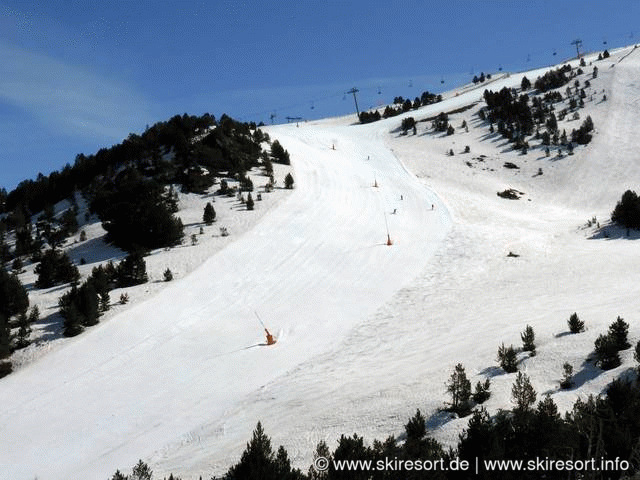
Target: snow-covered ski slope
(313,269)
(366,332)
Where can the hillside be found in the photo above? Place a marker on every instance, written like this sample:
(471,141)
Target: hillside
(366,332)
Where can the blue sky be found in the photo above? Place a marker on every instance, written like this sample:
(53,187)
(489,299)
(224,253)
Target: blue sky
(78,75)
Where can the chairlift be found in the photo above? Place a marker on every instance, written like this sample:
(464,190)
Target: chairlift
(312,107)
(604,42)
(410,83)
(379,91)
(441,79)
(554,53)
(528,57)
(500,68)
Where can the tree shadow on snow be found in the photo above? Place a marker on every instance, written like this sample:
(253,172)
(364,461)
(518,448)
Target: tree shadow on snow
(51,327)
(563,334)
(494,137)
(94,250)
(263,344)
(587,372)
(492,371)
(438,419)
(614,232)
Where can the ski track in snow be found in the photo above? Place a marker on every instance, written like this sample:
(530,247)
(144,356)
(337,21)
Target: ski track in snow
(367,333)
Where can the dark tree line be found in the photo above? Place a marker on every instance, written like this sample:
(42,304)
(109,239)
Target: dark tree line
(511,110)
(186,150)
(605,427)
(553,79)
(14,303)
(403,105)
(135,149)
(137,212)
(82,306)
(279,154)
(582,135)
(55,268)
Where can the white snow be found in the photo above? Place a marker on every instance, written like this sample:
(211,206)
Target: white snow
(366,332)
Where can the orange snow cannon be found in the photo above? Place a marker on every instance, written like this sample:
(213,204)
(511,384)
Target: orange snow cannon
(270,339)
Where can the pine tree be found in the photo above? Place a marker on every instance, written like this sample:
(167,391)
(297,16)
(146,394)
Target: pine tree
(266,163)
(24,331)
(5,337)
(141,472)
(528,338)
(209,215)
(606,352)
(548,409)
(416,428)
(72,326)
(478,440)
(283,468)
(552,123)
(250,202)
(350,448)
(16,266)
(407,124)
(417,443)
(132,270)
(168,275)
(13,296)
(257,460)
(522,393)
(508,359)
(55,268)
(119,476)
(279,154)
(618,331)
(567,378)
(288,181)
(34,314)
(525,84)
(88,304)
(459,387)
(482,392)
(575,324)
(323,452)
(636,354)
(105,301)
